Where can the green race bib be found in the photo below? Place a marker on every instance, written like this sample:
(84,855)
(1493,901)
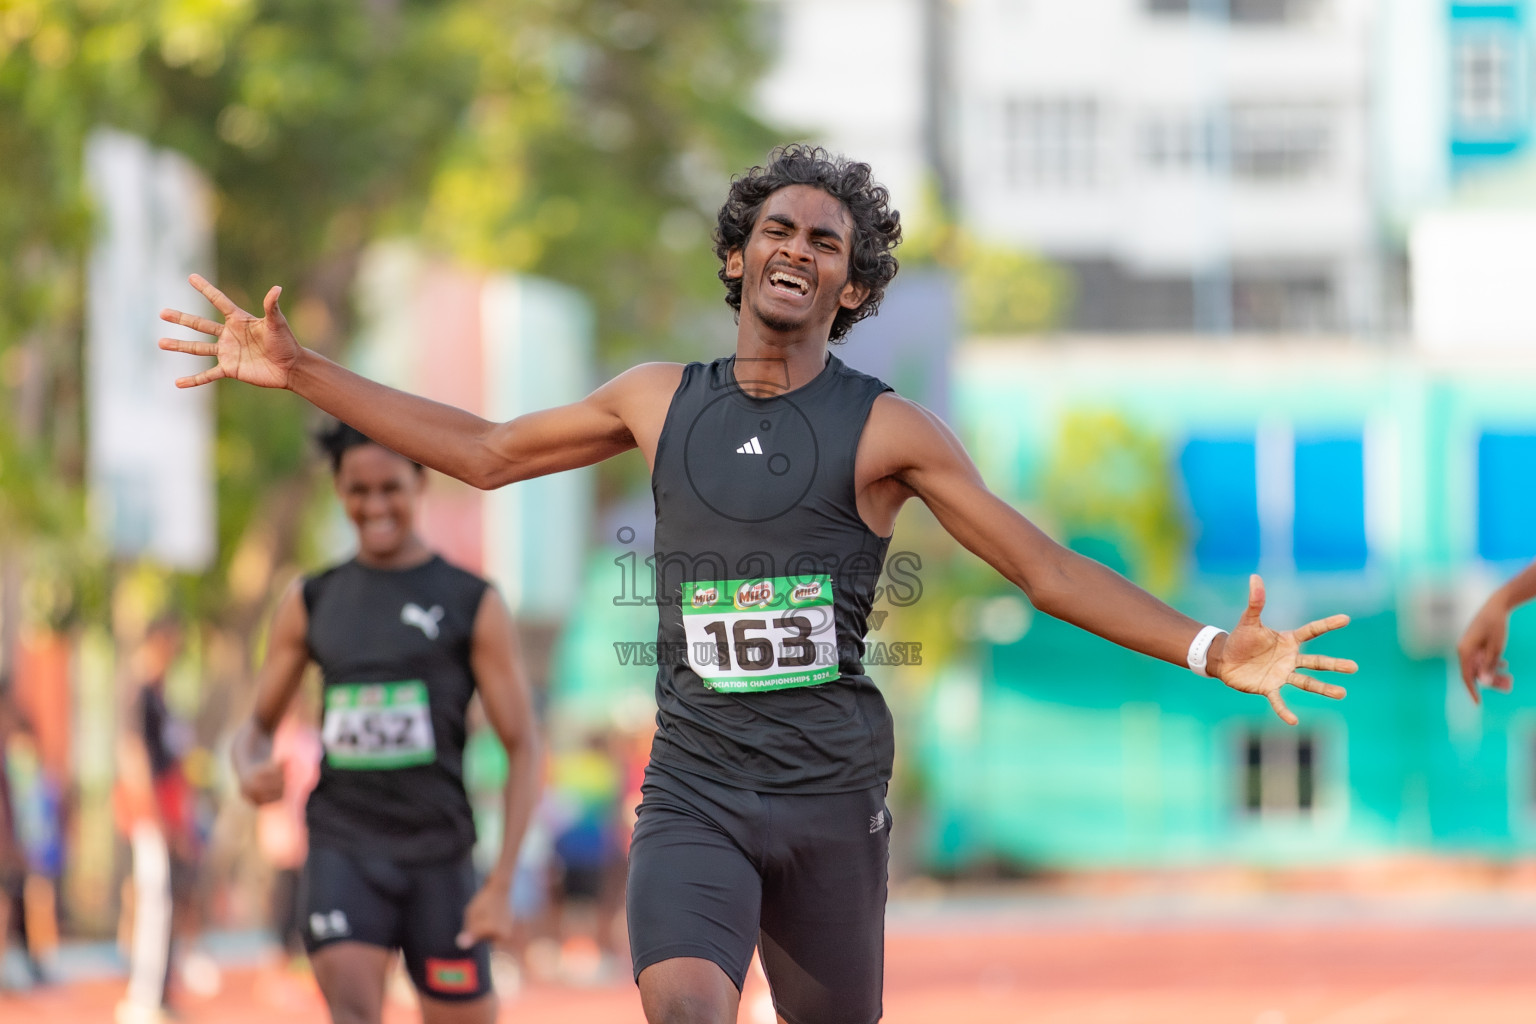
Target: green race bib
(378,725)
(774,633)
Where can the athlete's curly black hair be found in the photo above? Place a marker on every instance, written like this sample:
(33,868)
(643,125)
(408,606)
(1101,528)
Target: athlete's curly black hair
(876,227)
(336,438)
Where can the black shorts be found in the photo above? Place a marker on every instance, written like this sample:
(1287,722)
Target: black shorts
(715,871)
(415,908)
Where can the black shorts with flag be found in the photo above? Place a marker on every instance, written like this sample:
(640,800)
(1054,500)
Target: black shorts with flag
(415,908)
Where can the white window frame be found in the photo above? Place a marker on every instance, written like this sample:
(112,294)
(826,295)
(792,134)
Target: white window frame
(1485,80)
(1280,768)
(1051,142)
(1280,143)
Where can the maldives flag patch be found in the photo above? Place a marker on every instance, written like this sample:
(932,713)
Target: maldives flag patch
(455,976)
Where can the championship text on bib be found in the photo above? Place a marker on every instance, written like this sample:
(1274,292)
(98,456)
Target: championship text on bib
(378,725)
(764,634)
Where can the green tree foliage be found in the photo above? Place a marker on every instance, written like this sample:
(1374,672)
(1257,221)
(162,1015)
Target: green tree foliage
(582,139)
(1109,491)
(1003,290)
(597,152)
(313,121)
(1007,291)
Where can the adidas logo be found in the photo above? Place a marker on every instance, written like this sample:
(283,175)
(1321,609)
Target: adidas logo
(752,447)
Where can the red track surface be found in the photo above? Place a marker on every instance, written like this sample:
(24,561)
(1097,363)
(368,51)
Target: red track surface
(988,972)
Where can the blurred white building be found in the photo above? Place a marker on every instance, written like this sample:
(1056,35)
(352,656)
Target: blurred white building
(850,74)
(1456,121)
(1198,164)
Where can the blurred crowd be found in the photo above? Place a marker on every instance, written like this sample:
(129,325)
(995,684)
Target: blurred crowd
(568,896)
(31,849)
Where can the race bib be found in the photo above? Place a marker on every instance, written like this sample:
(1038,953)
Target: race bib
(378,725)
(744,636)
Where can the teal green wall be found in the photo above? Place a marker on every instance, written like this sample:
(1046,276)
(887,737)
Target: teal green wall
(1082,754)
(1063,751)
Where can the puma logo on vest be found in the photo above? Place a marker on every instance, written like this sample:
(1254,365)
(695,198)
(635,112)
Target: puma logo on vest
(426,621)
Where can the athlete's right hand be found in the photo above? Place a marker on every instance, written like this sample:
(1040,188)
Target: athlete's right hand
(262,783)
(257,351)
(488,916)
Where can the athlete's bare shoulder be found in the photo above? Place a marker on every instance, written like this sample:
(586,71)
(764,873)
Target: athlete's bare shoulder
(646,381)
(640,396)
(900,437)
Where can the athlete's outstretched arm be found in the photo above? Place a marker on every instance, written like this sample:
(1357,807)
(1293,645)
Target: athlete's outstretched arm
(924,455)
(263,351)
(508,706)
(261,778)
(1481,648)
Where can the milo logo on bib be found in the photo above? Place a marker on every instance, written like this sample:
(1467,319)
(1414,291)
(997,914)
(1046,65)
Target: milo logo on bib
(378,725)
(805,593)
(754,595)
(770,633)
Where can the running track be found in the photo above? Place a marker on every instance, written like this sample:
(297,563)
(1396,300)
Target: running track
(1270,960)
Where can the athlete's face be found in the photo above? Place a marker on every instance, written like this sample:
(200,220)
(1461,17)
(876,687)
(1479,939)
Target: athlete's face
(794,269)
(379,490)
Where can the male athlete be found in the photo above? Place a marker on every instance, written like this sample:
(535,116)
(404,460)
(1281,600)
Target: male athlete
(404,641)
(777,475)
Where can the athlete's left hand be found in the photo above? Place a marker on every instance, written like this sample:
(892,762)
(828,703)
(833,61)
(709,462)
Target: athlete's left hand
(488,916)
(1259,660)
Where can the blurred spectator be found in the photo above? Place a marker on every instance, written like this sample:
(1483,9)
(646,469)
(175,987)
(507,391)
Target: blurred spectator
(31,853)
(12,862)
(155,810)
(587,784)
(631,752)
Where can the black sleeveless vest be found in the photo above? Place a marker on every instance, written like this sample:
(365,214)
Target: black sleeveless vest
(387,643)
(765,576)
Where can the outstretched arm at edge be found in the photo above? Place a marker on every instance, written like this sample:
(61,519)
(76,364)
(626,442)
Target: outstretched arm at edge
(264,352)
(503,690)
(465,446)
(261,778)
(1480,651)
(931,463)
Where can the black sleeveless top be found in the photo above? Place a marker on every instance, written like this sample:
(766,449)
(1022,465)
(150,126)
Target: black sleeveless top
(765,576)
(394,649)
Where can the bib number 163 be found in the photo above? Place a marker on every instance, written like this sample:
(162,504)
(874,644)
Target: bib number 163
(796,650)
(749,635)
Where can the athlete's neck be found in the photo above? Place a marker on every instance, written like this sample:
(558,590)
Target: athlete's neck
(771,367)
(409,555)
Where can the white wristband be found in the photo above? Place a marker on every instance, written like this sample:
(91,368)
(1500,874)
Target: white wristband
(1199,647)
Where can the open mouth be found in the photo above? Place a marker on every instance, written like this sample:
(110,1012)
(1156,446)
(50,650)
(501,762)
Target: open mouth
(379,528)
(792,284)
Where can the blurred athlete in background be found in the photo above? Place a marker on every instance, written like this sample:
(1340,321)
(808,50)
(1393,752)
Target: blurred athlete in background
(404,641)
